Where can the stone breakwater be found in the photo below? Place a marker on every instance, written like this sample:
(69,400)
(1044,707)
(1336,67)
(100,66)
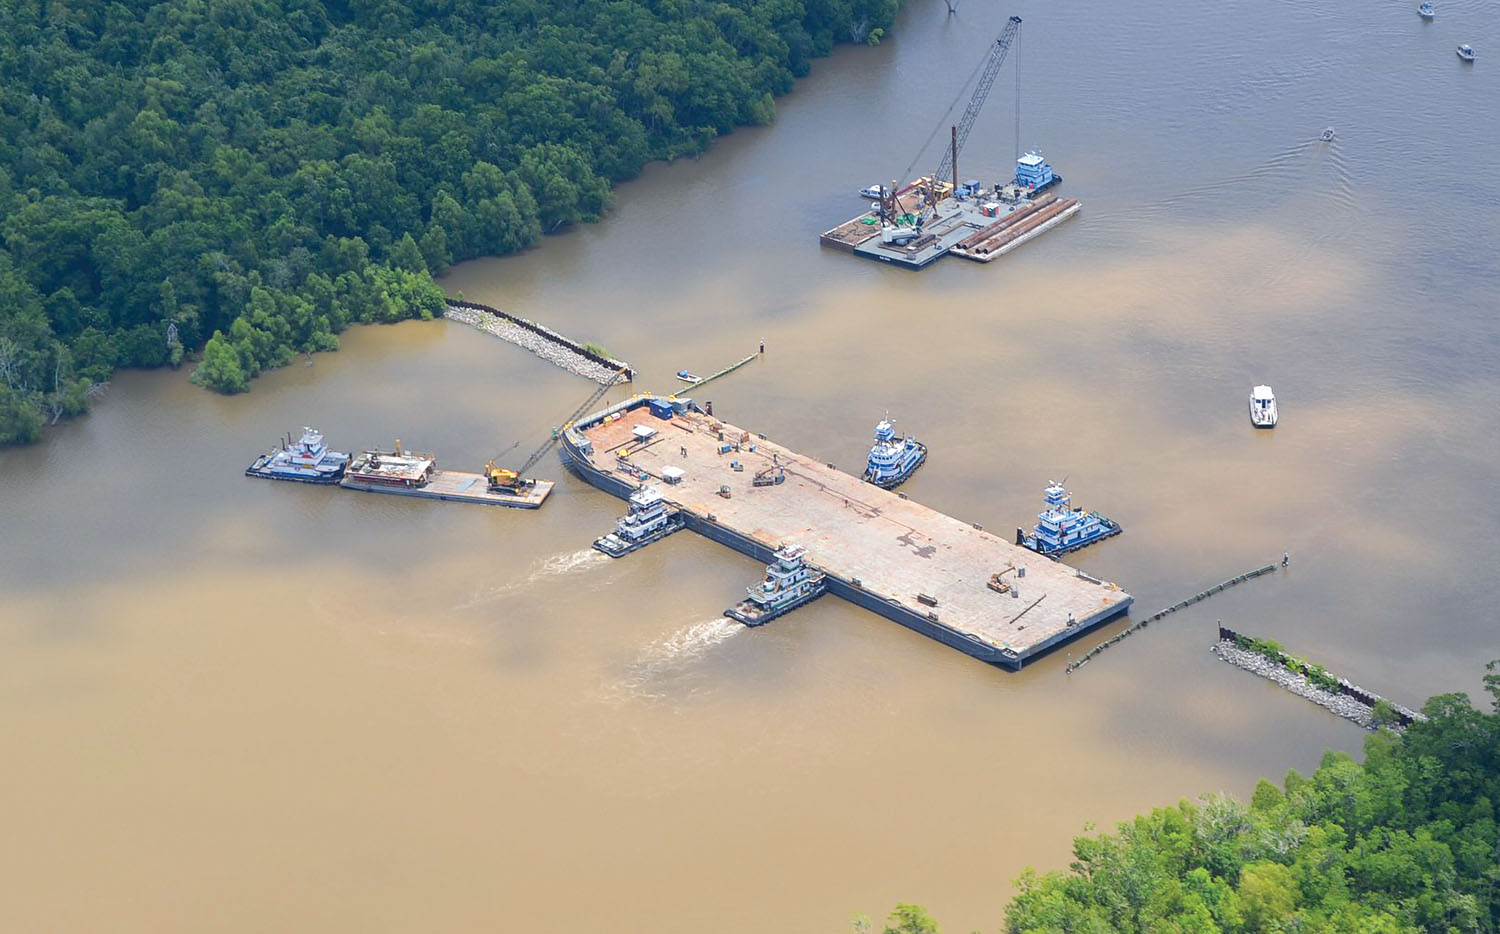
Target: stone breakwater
(542,341)
(1341,704)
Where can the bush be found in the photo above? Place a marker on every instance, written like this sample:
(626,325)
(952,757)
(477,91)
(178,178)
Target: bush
(20,420)
(1384,713)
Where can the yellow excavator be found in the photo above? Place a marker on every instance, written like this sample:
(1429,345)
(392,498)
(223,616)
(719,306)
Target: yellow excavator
(502,480)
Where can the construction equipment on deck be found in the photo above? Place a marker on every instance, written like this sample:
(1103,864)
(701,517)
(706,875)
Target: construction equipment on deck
(906,224)
(502,480)
(770,476)
(948,168)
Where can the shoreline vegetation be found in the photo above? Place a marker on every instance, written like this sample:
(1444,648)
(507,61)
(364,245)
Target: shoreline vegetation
(249,178)
(1405,842)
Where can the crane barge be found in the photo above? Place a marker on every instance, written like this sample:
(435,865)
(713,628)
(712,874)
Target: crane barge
(416,473)
(914,223)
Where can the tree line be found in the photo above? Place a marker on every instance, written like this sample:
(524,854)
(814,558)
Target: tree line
(1406,842)
(249,177)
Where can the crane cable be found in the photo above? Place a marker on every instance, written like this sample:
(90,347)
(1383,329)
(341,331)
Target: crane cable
(944,120)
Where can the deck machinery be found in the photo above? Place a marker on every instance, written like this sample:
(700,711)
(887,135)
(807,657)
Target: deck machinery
(913,224)
(515,482)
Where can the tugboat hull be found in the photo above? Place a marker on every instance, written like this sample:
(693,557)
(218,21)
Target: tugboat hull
(321,479)
(306,460)
(1108,529)
(748,613)
(617,547)
(890,483)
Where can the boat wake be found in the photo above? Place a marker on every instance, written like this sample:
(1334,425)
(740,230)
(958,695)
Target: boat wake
(1278,165)
(1342,189)
(554,566)
(667,667)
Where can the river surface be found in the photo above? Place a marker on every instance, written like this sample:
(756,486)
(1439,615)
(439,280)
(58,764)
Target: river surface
(244,706)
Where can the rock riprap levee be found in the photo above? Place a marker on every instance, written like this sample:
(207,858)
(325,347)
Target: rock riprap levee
(547,348)
(1341,704)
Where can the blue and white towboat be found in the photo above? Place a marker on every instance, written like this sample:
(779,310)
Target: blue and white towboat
(893,459)
(306,460)
(649,519)
(789,583)
(1064,528)
(1033,173)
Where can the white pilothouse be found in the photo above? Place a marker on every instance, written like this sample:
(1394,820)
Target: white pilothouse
(1263,407)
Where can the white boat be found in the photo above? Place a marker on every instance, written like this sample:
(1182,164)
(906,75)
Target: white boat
(1466,53)
(687,377)
(789,583)
(1426,11)
(649,519)
(870,191)
(1263,407)
(1328,135)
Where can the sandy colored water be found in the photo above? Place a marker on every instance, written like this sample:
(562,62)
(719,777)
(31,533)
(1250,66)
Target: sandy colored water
(238,705)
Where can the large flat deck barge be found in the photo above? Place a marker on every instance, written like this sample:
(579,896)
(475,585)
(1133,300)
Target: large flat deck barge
(878,549)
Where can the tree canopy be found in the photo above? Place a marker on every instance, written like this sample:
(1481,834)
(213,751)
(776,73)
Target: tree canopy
(1407,842)
(256,175)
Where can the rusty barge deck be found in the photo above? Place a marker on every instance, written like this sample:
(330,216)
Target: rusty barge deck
(880,550)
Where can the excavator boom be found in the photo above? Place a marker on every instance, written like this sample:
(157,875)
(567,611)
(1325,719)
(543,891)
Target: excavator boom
(546,446)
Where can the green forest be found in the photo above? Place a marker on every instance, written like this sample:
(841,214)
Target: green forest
(1406,842)
(249,177)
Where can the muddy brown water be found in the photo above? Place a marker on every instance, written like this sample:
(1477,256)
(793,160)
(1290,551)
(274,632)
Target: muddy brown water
(237,705)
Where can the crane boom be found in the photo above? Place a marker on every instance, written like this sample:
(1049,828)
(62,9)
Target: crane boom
(541,452)
(976,102)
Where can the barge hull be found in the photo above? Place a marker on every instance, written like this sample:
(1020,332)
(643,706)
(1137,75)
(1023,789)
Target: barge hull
(857,546)
(459,487)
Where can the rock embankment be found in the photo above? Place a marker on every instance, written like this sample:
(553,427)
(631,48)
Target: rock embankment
(1341,704)
(536,340)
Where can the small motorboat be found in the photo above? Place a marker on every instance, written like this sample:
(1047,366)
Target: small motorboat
(1426,11)
(1263,407)
(1466,53)
(1327,135)
(871,191)
(687,377)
